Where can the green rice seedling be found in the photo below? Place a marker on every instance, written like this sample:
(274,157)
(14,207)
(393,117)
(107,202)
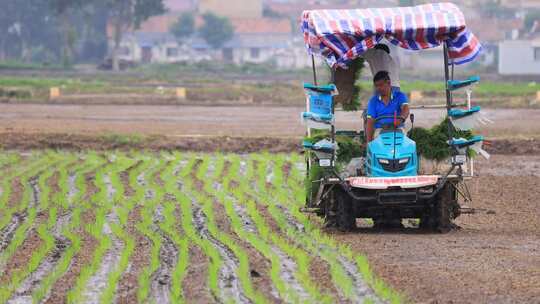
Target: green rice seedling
(21,231)
(243,270)
(187,225)
(121,164)
(90,163)
(303,238)
(145,227)
(181,241)
(101,206)
(239,193)
(379,287)
(35,259)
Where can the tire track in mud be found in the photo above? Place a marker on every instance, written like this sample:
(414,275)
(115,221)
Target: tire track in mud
(228,280)
(195,282)
(83,256)
(98,281)
(17,218)
(256,266)
(128,282)
(23,294)
(21,218)
(168,255)
(361,290)
(288,266)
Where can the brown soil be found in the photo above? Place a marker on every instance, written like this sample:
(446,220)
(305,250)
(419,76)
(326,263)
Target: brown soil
(195,283)
(233,121)
(320,272)
(19,260)
(493,258)
(259,265)
(140,258)
(28,141)
(84,256)
(16,192)
(32,242)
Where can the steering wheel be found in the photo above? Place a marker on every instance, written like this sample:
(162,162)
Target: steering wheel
(398,117)
(390,126)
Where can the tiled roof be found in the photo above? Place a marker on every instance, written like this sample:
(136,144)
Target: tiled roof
(262,26)
(159,24)
(162,24)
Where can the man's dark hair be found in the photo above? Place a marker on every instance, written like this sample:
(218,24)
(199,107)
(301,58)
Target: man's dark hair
(381,75)
(383,47)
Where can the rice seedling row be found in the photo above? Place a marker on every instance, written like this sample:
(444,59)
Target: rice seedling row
(168,227)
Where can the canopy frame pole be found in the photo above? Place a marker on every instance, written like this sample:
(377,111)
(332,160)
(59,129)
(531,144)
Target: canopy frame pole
(314,69)
(448,92)
(333,128)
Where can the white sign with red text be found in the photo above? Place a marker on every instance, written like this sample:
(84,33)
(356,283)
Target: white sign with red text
(385,182)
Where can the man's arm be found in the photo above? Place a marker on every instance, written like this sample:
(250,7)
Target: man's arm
(370,125)
(405,112)
(370,129)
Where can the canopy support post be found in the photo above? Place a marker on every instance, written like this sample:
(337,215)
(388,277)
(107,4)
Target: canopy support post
(448,92)
(333,130)
(314,69)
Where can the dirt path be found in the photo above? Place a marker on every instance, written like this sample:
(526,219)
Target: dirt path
(493,258)
(178,121)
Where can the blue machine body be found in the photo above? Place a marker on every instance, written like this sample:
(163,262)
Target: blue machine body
(391,154)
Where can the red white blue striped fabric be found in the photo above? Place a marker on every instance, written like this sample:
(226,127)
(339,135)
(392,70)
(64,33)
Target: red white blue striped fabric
(343,35)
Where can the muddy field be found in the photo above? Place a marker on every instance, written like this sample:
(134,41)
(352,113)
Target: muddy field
(129,226)
(182,121)
(168,228)
(494,256)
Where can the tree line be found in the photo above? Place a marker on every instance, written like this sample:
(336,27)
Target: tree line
(65,31)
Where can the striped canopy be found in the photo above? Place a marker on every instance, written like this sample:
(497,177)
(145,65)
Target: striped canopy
(343,35)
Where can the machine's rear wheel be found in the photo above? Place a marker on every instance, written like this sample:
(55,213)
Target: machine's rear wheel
(345,217)
(440,217)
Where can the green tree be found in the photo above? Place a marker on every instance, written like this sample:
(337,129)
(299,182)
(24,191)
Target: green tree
(25,25)
(216,30)
(62,10)
(184,27)
(129,14)
(530,18)
(406,2)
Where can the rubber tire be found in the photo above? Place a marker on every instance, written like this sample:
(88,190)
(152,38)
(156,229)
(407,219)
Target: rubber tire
(345,217)
(440,217)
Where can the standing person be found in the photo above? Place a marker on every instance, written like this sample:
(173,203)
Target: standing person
(379,59)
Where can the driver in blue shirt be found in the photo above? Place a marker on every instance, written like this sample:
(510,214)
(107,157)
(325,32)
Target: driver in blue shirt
(387,101)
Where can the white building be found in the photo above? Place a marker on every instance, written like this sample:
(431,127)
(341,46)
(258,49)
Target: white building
(519,57)
(149,47)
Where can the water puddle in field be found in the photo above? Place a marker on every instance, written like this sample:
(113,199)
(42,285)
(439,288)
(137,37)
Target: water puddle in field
(168,254)
(6,235)
(17,218)
(229,282)
(72,187)
(361,290)
(35,192)
(287,265)
(99,280)
(23,294)
(148,193)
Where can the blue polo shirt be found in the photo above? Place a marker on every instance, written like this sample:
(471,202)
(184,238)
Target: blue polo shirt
(377,108)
